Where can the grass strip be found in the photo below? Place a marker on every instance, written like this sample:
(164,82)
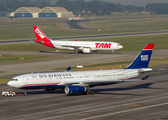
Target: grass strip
(4,80)
(116,65)
(131,43)
(16,58)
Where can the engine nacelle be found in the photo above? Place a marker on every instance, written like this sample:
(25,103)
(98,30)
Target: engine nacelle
(86,50)
(74,89)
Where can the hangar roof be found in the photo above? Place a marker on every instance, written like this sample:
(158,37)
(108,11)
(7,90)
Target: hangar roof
(27,10)
(53,10)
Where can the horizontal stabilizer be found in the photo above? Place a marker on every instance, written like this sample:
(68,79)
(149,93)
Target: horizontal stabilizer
(142,70)
(145,78)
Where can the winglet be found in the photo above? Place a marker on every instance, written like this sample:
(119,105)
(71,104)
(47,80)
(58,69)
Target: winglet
(145,78)
(68,69)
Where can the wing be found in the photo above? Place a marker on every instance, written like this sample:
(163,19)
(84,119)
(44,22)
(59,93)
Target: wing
(87,83)
(77,47)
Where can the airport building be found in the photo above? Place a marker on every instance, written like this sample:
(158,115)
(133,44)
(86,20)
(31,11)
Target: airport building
(59,12)
(26,12)
(46,12)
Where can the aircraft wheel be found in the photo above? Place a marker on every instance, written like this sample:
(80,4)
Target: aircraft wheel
(25,94)
(89,92)
(92,92)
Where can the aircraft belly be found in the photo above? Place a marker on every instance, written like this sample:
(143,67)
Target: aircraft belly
(42,86)
(65,48)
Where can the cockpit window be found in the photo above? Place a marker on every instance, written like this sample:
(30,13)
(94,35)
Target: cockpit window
(118,44)
(14,80)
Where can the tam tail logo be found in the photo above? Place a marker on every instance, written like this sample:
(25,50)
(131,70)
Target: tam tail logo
(103,45)
(39,33)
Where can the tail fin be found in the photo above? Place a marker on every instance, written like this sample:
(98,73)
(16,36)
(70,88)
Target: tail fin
(142,60)
(79,15)
(41,37)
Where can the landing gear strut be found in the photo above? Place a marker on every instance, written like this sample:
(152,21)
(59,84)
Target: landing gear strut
(25,93)
(76,51)
(89,92)
(112,52)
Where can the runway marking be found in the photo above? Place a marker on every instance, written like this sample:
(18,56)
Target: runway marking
(81,114)
(125,111)
(162,69)
(132,105)
(54,117)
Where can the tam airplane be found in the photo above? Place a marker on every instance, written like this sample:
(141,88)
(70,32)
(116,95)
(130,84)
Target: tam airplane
(76,82)
(77,46)
(76,18)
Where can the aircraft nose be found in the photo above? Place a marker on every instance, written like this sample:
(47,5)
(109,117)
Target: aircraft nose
(121,46)
(9,83)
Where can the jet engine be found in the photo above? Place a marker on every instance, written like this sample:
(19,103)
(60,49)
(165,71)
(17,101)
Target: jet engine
(74,89)
(86,50)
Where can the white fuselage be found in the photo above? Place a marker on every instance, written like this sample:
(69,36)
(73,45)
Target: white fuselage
(61,79)
(76,18)
(82,45)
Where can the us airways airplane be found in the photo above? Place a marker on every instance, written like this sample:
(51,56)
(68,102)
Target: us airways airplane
(75,82)
(76,18)
(77,46)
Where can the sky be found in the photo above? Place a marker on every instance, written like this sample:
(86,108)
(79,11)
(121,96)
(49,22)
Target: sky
(135,2)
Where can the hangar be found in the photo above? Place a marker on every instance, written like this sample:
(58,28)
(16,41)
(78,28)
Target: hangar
(35,12)
(26,12)
(54,12)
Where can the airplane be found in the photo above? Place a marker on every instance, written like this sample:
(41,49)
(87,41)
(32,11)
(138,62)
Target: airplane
(78,82)
(77,46)
(76,18)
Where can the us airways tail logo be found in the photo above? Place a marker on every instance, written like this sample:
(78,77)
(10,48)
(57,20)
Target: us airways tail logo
(39,33)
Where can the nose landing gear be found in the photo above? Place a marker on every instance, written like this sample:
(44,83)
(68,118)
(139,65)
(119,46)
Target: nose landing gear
(25,93)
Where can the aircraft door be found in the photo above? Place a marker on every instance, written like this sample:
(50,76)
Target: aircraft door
(125,75)
(49,79)
(95,76)
(25,80)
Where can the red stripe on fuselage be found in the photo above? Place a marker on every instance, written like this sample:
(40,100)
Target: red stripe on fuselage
(126,79)
(38,84)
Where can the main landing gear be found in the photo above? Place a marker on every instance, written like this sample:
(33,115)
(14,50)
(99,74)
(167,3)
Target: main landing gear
(75,51)
(89,92)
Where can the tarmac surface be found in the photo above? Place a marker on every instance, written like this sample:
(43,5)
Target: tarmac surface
(145,100)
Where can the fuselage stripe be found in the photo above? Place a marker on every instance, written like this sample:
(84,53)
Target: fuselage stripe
(38,84)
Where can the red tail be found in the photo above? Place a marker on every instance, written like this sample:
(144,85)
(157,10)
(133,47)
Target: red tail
(41,37)
(79,15)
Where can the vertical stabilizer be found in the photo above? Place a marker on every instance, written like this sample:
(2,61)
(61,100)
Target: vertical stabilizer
(142,60)
(41,37)
(79,15)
